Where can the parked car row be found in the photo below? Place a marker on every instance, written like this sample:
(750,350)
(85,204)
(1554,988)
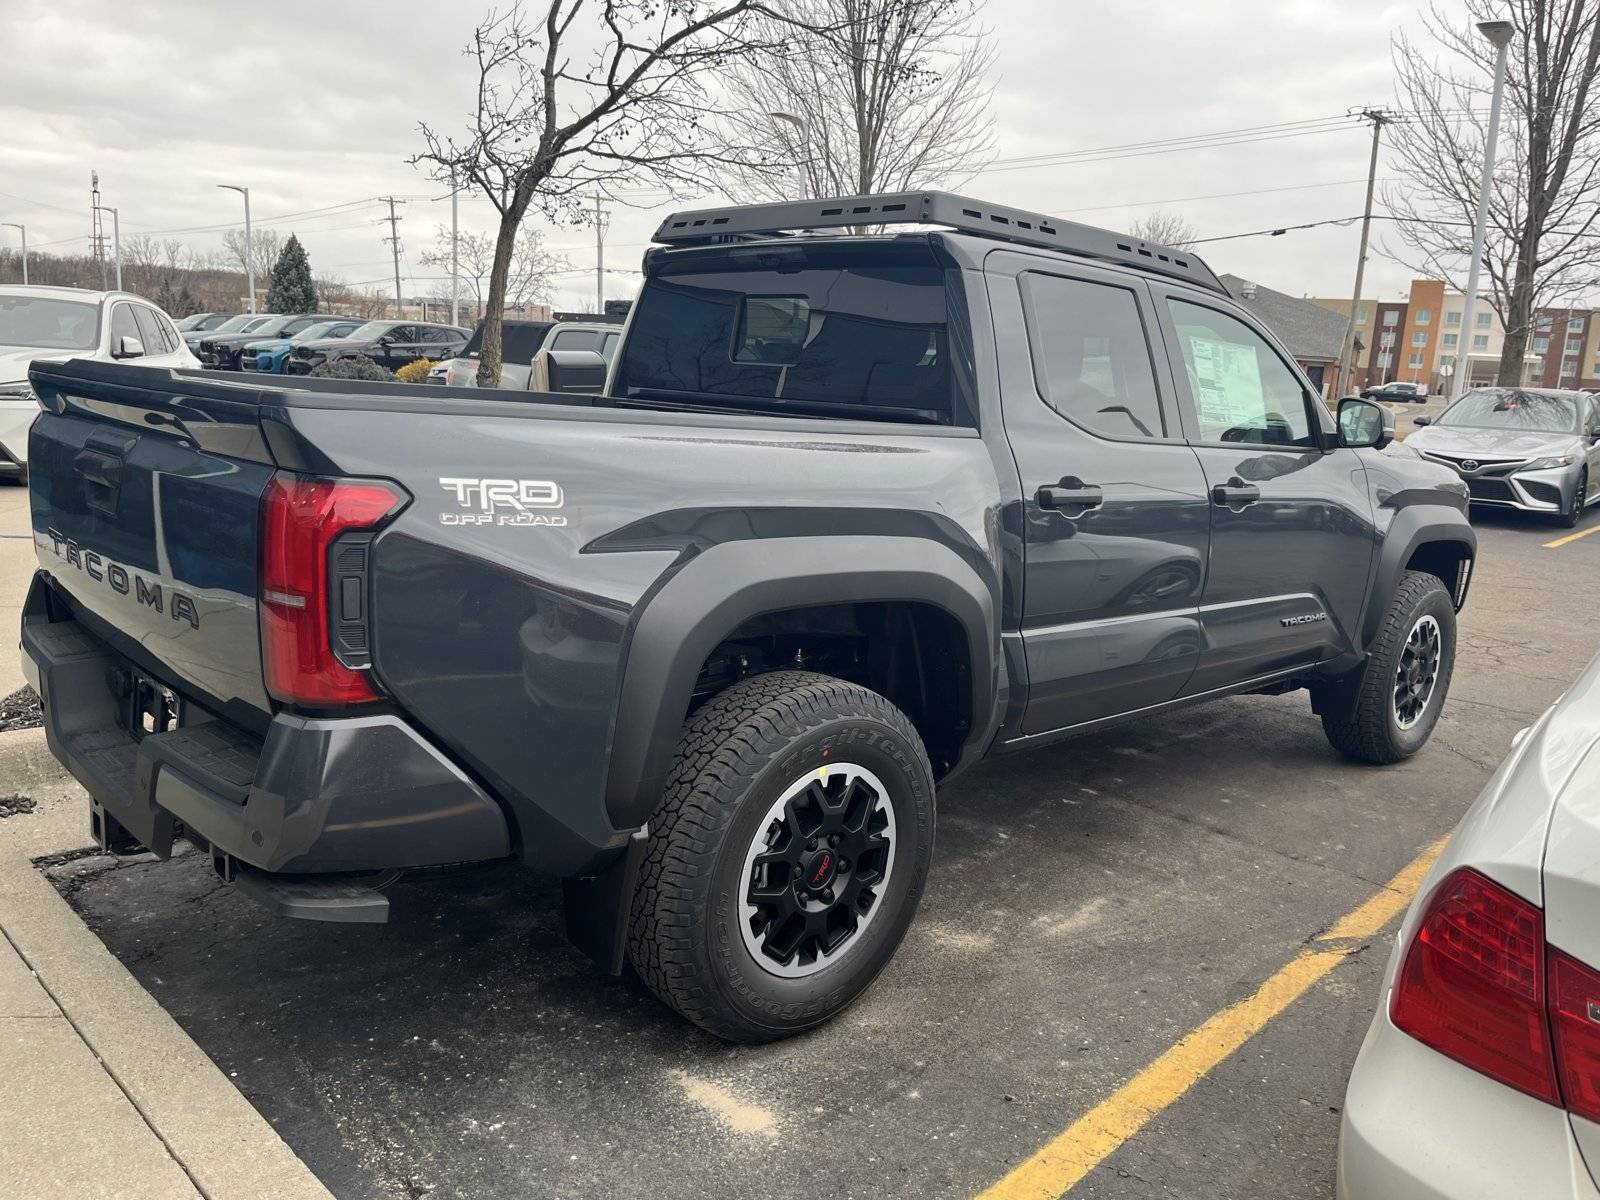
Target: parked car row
(390,344)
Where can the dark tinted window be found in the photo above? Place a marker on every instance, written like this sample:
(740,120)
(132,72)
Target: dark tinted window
(123,325)
(875,331)
(1090,356)
(436,334)
(574,339)
(151,333)
(401,333)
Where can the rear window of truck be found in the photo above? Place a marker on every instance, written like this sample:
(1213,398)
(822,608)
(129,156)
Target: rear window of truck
(856,330)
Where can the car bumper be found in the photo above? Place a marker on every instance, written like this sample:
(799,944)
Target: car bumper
(1420,1126)
(314,795)
(301,366)
(16,418)
(1528,491)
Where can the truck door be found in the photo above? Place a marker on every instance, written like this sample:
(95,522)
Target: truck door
(1292,534)
(1114,508)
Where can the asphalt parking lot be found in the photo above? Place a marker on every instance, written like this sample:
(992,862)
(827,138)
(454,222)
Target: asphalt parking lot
(1090,905)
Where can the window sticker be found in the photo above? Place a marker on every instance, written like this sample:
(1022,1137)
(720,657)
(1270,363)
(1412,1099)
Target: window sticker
(1227,381)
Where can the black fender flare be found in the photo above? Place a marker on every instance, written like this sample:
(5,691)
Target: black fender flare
(712,593)
(1413,526)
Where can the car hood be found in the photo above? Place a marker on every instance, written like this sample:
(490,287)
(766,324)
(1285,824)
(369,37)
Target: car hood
(1492,443)
(268,344)
(14,360)
(323,345)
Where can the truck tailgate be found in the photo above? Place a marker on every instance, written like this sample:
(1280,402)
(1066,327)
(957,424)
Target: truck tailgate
(146,514)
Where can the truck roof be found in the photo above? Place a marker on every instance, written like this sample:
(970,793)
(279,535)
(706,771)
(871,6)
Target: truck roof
(749,222)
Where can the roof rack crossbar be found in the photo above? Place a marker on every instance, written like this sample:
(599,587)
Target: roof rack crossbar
(961,213)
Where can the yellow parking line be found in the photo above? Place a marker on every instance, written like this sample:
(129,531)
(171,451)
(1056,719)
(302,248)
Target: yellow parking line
(1571,537)
(1058,1166)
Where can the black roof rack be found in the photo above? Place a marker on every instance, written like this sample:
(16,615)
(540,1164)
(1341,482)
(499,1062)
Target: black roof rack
(749,221)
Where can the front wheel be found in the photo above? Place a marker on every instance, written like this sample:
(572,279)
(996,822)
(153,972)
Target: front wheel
(1401,688)
(1573,513)
(787,857)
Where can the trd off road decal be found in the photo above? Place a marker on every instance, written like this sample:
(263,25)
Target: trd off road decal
(503,502)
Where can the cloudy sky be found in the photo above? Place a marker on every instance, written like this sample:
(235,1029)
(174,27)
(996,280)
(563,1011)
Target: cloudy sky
(315,107)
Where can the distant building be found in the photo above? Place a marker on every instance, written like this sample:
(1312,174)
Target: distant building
(1309,331)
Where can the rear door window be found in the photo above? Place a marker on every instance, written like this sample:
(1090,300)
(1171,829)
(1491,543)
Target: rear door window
(1091,359)
(150,331)
(859,330)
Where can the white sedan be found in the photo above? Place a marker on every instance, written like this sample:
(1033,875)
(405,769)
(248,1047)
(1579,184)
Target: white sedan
(53,324)
(1480,1076)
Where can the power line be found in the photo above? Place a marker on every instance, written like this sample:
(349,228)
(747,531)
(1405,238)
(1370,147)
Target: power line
(1295,187)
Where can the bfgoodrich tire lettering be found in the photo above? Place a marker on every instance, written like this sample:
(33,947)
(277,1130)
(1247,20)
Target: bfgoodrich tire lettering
(737,756)
(1375,731)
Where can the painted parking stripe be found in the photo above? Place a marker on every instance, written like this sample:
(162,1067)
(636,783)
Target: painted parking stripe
(1571,537)
(1058,1166)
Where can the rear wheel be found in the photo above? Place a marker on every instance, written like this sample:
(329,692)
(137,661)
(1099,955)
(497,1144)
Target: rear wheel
(1401,688)
(787,857)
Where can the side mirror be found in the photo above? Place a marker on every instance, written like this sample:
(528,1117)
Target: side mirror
(1363,423)
(1422,420)
(128,347)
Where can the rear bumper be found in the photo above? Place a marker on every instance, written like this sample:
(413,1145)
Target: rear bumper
(1420,1126)
(330,794)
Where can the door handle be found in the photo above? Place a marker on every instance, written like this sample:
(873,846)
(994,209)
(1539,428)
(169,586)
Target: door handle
(1071,492)
(1236,493)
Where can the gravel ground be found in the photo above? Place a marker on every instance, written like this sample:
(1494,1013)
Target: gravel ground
(20,710)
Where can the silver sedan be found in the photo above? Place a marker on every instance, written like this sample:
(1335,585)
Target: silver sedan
(1480,1076)
(1526,448)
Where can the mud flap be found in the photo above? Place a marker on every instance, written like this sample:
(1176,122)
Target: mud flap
(597,907)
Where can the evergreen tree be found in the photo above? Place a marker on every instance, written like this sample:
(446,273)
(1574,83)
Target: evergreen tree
(166,300)
(186,305)
(292,290)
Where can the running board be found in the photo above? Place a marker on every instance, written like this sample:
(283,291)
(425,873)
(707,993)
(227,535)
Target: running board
(353,899)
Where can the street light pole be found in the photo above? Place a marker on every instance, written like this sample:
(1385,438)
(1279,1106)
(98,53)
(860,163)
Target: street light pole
(249,243)
(1500,34)
(24,231)
(455,253)
(789,118)
(116,240)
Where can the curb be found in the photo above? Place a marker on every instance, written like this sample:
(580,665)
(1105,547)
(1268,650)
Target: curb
(225,1147)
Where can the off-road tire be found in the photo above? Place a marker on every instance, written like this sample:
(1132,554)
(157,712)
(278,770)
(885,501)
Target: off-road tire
(1370,731)
(737,755)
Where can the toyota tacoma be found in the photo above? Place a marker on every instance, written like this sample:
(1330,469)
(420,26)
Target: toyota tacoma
(852,512)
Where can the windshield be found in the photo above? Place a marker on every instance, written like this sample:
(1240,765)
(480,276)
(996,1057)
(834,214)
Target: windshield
(371,331)
(48,324)
(198,321)
(1508,408)
(847,330)
(322,329)
(239,324)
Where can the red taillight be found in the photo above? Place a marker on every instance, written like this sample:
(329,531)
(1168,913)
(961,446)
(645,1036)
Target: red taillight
(1472,984)
(1575,1021)
(301,517)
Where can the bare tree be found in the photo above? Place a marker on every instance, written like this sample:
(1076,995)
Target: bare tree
(266,245)
(533,268)
(592,96)
(1164,228)
(1543,244)
(873,96)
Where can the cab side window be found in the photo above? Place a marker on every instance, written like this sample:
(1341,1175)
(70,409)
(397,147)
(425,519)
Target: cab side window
(1243,392)
(1091,360)
(150,331)
(123,325)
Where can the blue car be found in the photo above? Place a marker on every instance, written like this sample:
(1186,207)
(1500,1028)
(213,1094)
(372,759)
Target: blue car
(271,354)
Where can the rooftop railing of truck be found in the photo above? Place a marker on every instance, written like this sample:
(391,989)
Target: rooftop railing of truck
(961,213)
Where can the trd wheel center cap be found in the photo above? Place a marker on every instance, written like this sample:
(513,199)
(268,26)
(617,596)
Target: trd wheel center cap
(818,869)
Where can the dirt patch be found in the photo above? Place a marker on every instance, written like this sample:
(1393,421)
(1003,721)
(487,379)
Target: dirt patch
(21,710)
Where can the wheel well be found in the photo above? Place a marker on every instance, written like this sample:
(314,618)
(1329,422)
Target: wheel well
(912,653)
(1450,561)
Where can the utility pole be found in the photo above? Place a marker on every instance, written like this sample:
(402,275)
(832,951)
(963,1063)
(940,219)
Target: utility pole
(599,257)
(97,230)
(1347,359)
(24,231)
(394,241)
(455,253)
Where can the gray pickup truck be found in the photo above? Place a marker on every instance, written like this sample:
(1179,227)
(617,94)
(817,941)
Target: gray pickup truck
(852,512)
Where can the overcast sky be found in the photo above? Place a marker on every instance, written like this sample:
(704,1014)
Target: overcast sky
(316,105)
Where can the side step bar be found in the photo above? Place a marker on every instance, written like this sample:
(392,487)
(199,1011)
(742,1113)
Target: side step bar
(354,898)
